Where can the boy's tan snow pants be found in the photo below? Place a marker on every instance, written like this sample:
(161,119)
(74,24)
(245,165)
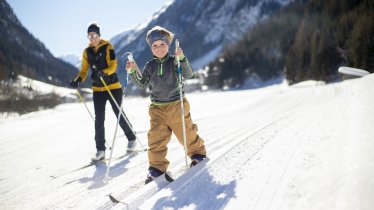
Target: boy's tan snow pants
(166,119)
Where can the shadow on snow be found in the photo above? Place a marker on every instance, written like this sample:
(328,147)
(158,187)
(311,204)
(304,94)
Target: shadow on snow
(203,192)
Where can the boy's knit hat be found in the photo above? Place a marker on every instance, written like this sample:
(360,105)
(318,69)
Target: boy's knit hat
(93,28)
(158,35)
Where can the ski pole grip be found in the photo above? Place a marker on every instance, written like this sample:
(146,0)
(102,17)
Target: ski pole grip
(176,44)
(176,48)
(130,57)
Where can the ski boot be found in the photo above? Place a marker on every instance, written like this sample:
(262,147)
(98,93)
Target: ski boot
(195,159)
(153,174)
(100,155)
(131,146)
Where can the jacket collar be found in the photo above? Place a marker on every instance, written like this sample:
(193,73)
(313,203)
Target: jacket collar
(161,60)
(102,42)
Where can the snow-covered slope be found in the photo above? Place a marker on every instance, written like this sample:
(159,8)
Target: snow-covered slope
(26,84)
(305,147)
(72,59)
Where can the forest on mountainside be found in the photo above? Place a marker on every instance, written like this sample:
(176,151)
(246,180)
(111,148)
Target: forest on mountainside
(304,40)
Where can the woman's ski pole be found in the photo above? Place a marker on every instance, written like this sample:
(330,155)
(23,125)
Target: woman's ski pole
(93,119)
(120,111)
(182,107)
(82,100)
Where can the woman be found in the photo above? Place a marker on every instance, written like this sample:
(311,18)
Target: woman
(100,57)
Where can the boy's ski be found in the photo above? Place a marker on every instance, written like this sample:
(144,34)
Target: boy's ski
(151,189)
(145,192)
(155,201)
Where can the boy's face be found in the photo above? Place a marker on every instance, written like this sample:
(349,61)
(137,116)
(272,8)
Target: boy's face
(159,48)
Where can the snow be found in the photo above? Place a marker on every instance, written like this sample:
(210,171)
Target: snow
(279,147)
(209,57)
(353,71)
(227,22)
(131,34)
(45,88)
(308,83)
(74,60)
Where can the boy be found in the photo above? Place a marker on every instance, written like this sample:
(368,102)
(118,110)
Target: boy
(99,56)
(161,75)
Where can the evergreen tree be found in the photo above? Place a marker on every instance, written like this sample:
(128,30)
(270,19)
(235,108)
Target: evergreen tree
(362,43)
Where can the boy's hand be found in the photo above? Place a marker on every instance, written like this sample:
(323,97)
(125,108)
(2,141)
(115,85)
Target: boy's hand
(179,53)
(130,67)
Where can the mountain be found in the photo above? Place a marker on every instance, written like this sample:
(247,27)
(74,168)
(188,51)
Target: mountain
(74,60)
(305,40)
(261,54)
(203,27)
(21,53)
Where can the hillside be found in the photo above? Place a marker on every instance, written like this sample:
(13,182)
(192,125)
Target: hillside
(22,54)
(304,40)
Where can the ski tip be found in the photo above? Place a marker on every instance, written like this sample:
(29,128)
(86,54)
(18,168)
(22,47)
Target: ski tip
(113,199)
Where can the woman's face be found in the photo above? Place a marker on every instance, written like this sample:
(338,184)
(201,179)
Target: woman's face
(94,38)
(159,48)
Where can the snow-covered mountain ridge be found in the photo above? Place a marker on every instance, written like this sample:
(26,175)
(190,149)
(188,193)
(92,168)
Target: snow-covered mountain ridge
(203,27)
(23,54)
(74,60)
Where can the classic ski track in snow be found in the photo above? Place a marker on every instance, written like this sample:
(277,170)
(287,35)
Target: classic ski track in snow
(70,197)
(301,147)
(219,147)
(222,157)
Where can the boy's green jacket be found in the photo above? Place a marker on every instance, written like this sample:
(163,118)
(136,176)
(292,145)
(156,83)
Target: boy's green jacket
(161,75)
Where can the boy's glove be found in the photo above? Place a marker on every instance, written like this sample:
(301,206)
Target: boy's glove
(180,55)
(182,58)
(75,83)
(130,67)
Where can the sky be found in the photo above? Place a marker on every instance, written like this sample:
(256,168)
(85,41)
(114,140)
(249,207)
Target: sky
(62,24)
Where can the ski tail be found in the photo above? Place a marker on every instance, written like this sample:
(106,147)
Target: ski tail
(168,177)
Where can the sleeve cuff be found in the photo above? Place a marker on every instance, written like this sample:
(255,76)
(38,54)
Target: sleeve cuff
(184,59)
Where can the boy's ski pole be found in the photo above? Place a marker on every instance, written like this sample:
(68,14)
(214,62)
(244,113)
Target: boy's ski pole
(120,112)
(182,107)
(114,136)
(130,57)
